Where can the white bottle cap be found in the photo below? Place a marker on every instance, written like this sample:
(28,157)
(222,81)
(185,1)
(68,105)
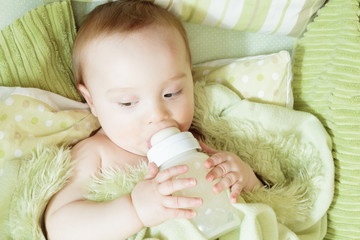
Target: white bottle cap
(162,134)
(170,142)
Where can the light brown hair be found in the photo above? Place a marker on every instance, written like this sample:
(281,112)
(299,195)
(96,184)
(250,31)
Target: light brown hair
(118,17)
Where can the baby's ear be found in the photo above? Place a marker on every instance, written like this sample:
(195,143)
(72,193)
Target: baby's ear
(85,92)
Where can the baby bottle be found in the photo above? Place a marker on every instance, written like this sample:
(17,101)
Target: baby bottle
(171,147)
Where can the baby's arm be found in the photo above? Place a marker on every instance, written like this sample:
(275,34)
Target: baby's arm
(236,174)
(70,216)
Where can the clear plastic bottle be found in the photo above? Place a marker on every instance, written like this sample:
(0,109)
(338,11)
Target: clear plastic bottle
(170,147)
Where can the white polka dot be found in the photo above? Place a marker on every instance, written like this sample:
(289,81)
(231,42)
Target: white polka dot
(261,62)
(219,80)
(206,72)
(245,78)
(48,123)
(75,141)
(197,165)
(31,135)
(18,118)
(275,76)
(233,65)
(18,153)
(1,172)
(41,108)
(88,124)
(2,134)
(9,101)
(261,94)
(208,211)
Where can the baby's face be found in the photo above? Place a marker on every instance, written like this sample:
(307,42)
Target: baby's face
(139,84)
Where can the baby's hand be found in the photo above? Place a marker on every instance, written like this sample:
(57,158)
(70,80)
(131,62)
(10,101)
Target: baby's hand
(152,198)
(236,174)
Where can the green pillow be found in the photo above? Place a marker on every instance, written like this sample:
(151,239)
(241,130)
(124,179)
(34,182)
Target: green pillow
(35,50)
(286,18)
(209,43)
(326,83)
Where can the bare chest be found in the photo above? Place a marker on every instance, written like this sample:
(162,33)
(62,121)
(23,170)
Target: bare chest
(113,156)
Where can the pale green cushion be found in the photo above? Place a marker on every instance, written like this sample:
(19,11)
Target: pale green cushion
(287,18)
(210,43)
(35,50)
(262,78)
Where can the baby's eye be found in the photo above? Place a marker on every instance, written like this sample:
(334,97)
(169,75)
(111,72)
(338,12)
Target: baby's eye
(170,95)
(127,104)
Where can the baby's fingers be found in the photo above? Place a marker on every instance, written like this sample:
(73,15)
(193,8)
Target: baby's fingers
(218,171)
(171,172)
(173,185)
(226,182)
(152,171)
(235,192)
(206,149)
(179,203)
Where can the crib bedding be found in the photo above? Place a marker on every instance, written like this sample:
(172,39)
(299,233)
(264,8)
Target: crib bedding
(210,43)
(262,78)
(46,66)
(268,17)
(294,207)
(32,118)
(324,84)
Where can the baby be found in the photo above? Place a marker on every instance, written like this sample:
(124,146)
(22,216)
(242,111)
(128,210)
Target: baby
(132,64)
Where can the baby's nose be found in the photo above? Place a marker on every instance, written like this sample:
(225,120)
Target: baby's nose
(158,113)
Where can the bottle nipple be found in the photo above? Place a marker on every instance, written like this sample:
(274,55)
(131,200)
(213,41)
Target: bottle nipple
(163,134)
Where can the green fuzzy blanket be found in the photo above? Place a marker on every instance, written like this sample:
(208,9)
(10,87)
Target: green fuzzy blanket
(289,149)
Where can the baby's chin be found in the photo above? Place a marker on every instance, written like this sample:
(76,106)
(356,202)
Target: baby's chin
(140,151)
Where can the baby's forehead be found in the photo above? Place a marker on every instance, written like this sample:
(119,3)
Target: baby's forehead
(165,35)
(117,53)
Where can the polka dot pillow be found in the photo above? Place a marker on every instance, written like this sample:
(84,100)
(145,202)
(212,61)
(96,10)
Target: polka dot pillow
(30,116)
(264,78)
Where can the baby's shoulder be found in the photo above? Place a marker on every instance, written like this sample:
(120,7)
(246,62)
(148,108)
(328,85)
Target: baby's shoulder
(98,152)
(86,155)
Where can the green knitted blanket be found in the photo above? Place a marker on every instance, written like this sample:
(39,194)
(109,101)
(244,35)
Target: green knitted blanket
(327,84)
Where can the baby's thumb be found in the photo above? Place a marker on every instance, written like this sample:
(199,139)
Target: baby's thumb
(152,171)
(208,150)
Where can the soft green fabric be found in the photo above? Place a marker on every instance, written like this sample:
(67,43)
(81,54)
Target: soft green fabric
(104,186)
(263,78)
(327,84)
(31,194)
(210,43)
(47,66)
(286,18)
(29,118)
(289,149)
